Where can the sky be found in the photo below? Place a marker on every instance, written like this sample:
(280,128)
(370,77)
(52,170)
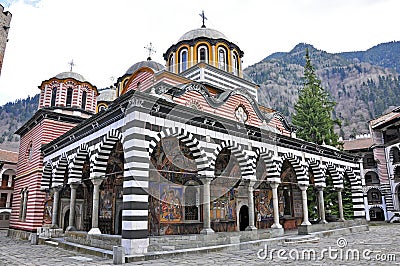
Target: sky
(104,38)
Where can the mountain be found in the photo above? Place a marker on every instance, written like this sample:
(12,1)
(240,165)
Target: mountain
(364,84)
(12,116)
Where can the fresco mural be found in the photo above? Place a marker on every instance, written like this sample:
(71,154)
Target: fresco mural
(224,192)
(289,198)
(111,191)
(172,171)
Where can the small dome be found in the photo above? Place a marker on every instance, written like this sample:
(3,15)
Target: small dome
(70,74)
(202,32)
(148,63)
(107,95)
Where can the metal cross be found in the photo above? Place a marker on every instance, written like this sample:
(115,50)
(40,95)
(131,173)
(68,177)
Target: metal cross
(150,50)
(71,64)
(203,17)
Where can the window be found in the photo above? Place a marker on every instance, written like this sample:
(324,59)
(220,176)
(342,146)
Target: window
(191,203)
(23,204)
(183,62)
(53,97)
(235,64)
(171,63)
(371,179)
(374,197)
(222,59)
(30,152)
(69,97)
(202,54)
(84,95)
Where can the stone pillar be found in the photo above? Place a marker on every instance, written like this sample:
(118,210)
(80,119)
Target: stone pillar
(321,205)
(340,203)
(303,189)
(8,201)
(95,214)
(275,203)
(71,224)
(250,197)
(206,207)
(56,198)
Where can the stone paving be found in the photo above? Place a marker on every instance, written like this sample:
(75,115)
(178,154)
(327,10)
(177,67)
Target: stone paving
(379,246)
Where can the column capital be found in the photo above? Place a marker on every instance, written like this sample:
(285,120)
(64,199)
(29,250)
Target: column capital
(97,180)
(74,185)
(303,187)
(274,185)
(339,189)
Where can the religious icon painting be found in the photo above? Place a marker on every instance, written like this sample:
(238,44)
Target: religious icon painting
(170,203)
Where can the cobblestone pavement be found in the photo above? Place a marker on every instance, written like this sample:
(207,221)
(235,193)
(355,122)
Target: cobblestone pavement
(379,246)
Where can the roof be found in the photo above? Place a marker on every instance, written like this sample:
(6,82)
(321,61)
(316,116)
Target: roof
(202,32)
(357,144)
(385,119)
(70,74)
(107,95)
(8,156)
(148,63)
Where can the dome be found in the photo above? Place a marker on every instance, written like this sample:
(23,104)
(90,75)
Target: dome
(70,74)
(202,32)
(148,63)
(107,95)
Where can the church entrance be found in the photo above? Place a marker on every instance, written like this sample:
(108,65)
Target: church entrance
(243,218)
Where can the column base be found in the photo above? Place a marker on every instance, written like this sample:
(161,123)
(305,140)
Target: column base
(341,220)
(70,228)
(323,222)
(54,226)
(207,231)
(94,231)
(306,223)
(276,226)
(251,228)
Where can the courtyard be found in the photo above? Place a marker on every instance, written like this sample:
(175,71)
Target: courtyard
(377,246)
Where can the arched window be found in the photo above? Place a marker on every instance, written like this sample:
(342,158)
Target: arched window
(84,96)
(235,64)
(222,59)
(202,54)
(53,97)
(191,203)
(171,63)
(183,62)
(69,97)
(374,196)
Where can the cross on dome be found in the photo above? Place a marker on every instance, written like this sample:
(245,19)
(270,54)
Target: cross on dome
(150,50)
(71,64)
(203,17)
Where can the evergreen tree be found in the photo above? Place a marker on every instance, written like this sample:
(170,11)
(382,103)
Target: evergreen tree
(313,110)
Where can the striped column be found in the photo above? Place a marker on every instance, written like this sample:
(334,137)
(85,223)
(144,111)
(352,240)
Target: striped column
(135,238)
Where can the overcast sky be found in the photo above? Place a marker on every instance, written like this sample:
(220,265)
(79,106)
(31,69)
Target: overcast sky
(104,38)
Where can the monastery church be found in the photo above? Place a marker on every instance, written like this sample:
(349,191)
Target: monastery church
(177,148)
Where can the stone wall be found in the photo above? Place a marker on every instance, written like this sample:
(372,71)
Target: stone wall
(5,20)
(98,241)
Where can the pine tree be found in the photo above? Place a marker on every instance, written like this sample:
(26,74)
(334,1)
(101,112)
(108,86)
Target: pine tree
(313,110)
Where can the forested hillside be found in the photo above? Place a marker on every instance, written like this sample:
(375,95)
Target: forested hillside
(12,116)
(360,84)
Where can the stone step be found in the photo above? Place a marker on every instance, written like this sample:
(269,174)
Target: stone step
(301,239)
(51,243)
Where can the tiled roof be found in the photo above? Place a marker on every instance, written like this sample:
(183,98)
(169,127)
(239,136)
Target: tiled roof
(357,144)
(376,123)
(8,156)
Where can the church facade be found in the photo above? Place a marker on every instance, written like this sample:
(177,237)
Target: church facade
(181,148)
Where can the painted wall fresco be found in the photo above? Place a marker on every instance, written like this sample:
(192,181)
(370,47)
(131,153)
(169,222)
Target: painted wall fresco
(172,170)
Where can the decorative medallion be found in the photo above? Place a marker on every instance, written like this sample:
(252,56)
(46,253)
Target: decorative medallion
(241,114)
